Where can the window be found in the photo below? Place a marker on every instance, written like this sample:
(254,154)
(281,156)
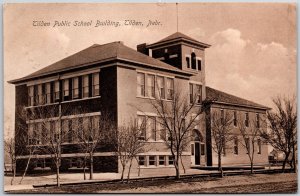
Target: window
(40,94)
(96,86)
(161,160)
(152,160)
(235,146)
(247,143)
(67,137)
(31,139)
(30,95)
(142,160)
(171,160)
(151,86)
(141,84)
(191,94)
(76,163)
(234,118)
(247,119)
(199,65)
(85,86)
(187,62)
(38,131)
(48,93)
(202,148)
(258,146)
(195,93)
(222,116)
(193,55)
(66,91)
(54,125)
(160,129)
(96,125)
(257,121)
(161,87)
(56,91)
(170,88)
(48,162)
(45,132)
(142,126)
(39,163)
(198,93)
(75,90)
(86,123)
(151,128)
(74,129)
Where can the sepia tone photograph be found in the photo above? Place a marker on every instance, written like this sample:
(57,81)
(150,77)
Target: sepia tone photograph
(150,98)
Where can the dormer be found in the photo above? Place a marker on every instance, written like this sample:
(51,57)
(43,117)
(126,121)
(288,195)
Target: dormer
(180,51)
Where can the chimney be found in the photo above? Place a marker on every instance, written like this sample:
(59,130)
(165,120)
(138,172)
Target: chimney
(142,48)
(150,52)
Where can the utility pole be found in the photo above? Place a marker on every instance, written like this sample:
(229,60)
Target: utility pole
(177,14)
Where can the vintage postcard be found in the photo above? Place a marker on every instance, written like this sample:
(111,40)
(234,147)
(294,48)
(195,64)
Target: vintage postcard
(150,98)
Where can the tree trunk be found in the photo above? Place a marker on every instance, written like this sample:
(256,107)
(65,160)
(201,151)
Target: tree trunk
(91,166)
(251,167)
(26,168)
(57,175)
(182,165)
(129,170)
(294,159)
(122,175)
(220,164)
(177,167)
(285,160)
(139,167)
(13,170)
(84,166)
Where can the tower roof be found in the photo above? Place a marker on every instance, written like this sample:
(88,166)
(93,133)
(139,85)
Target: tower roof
(177,37)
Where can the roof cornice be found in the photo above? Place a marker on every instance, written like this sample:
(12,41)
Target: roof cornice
(242,105)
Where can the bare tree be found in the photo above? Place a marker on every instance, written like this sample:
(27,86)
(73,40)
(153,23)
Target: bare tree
(129,144)
(93,132)
(250,131)
(23,140)
(48,135)
(9,147)
(282,133)
(221,133)
(18,145)
(178,117)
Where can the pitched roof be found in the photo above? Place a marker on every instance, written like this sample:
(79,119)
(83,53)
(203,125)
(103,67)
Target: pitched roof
(179,37)
(222,97)
(100,53)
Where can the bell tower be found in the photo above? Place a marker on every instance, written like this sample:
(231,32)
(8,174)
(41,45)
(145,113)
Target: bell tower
(180,51)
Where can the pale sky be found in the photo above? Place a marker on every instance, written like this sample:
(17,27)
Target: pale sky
(253,52)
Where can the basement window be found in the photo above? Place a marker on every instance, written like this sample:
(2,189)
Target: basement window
(152,160)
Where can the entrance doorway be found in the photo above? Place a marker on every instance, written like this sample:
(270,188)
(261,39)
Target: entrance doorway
(197,148)
(197,153)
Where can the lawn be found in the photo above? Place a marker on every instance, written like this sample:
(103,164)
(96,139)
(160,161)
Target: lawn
(258,183)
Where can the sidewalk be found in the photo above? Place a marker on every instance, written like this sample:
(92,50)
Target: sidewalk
(29,181)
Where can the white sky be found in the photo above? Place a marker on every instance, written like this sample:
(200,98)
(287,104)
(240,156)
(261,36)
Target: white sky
(253,53)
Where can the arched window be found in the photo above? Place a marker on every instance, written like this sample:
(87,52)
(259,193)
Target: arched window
(197,136)
(193,55)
